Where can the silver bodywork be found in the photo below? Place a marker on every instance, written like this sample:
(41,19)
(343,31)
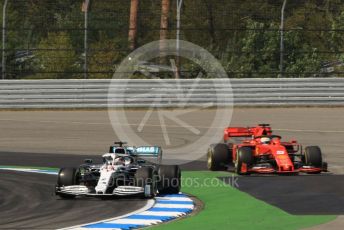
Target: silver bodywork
(114,164)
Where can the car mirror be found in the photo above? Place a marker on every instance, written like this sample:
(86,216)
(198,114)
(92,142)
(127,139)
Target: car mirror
(141,161)
(88,161)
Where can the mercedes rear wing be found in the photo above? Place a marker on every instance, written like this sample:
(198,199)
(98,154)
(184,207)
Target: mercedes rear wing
(148,152)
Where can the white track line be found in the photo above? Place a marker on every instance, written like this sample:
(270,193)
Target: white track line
(161,213)
(191,206)
(135,221)
(173,198)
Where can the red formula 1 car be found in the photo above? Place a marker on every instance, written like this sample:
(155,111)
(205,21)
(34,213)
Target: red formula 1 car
(257,150)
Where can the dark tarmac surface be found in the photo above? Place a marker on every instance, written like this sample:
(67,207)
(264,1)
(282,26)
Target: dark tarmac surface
(299,194)
(27,202)
(66,138)
(321,194)
(90,132)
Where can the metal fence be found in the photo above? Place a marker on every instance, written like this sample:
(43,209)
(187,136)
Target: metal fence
(60,39)
(44,94)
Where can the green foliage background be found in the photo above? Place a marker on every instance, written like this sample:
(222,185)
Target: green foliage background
(243,34)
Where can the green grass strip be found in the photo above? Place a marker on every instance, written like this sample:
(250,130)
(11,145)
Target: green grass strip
(228,208)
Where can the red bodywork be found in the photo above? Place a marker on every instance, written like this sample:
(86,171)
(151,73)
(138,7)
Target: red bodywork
(282,154)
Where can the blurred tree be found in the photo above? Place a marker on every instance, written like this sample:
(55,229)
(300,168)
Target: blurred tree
(132,37)
(258,53)
(243,34)
(302,59)
(57,58)
(337,43)
(165,11)
(105,54)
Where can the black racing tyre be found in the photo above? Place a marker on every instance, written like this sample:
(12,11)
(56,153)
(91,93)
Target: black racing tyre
(244,155)
(169,179)
(67,176)
(313,157)
(146,176)
(324,166)
(218,156)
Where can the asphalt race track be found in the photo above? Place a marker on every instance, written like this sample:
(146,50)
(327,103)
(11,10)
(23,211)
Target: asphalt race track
(65,138)
(27,202)
(298,195)
(38,208)
(90,132)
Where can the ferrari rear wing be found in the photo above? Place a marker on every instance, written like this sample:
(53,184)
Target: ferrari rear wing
(261,129)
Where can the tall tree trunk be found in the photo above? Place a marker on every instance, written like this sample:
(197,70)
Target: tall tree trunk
(211,26)
(132,37)
(165,9)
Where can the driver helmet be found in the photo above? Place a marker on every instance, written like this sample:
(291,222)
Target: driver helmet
(119,161)
(122,160)
(265,140)
(127,161)
(108,159)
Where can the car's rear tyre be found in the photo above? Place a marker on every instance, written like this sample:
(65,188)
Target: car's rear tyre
(324,167)
(313,157)
(244,156)
(169,179)
(218,156)
(144,177)
(67,177)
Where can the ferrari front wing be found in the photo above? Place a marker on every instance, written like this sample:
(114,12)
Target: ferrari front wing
(267,170)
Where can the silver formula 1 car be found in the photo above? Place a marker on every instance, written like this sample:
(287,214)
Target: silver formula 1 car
(125,171)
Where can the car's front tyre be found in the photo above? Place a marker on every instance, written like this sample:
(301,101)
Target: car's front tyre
(313,157)
(67,177)
(244,158)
